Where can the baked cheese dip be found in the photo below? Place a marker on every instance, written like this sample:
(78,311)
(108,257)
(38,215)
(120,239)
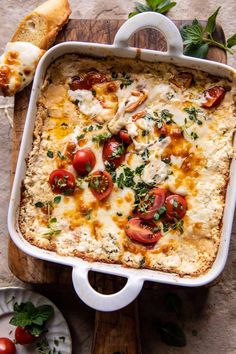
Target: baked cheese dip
(129,165)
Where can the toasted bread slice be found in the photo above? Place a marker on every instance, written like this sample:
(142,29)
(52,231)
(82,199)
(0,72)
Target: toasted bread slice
(41,26)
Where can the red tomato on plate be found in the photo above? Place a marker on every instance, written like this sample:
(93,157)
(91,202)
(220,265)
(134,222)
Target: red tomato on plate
(7,346)
(22,336)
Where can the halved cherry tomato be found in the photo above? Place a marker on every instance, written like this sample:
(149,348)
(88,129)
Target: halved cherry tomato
(143,231)
(101,184)
(124,136)
(84,161)
(175,206)
(182,80)
(23,336)
(86,81)
(214,96)
(7,346)
(62,181)
(150,203)
(113,151)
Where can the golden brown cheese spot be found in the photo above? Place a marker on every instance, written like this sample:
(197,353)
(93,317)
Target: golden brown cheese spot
(11,58)
(119,201)
(177,147)
(129,197)
(106,96)
(120,221)
(4,75)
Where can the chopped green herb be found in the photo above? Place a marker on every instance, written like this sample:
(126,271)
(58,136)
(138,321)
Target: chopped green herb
(78,182)
(39,205)
(111,168)
(194,135)
(119,214)
(175,203)
(139,169)
(100,138)
(50,154)
(57,199)
(79,137)
(142,262)
(145,132)
(119,151)
(163,117)
(53,220)
(88,167)
(59,154)
(159,212)
(93,93)
(64,125)
(178,225)
(90,128)
(145,155)
(193,115)
(162,137)
(126,178)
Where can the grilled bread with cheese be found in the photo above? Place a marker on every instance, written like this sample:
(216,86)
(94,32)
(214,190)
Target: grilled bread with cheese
(34,35)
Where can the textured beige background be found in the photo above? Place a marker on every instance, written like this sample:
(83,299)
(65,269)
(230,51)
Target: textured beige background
(210,312)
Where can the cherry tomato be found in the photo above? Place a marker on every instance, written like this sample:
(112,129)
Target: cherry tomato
(143,231)
(101,184)
(84,161)
(175,206)
(124,136)
(62,181)
(150,203)
(214,96)
(7,346)
(86,82)
(22,336)
(113,151)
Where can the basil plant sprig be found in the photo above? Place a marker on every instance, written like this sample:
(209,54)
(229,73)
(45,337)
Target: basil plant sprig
(160,6)
(198,38)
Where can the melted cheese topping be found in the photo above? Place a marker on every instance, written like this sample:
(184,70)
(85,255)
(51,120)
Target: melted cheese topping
(176,144)
(17,66)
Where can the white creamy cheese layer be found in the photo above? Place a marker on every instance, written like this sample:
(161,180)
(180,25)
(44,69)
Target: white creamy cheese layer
(180,154)
(87,103)
(22,59)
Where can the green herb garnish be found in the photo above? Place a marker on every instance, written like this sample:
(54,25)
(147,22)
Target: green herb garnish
(100,138)
(31,317)
(50,154)
(198,39)
(57,199)
(59,154)
(39,204)
(160,6)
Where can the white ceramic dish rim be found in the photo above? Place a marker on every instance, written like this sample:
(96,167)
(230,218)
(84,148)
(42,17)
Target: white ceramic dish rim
(135,277)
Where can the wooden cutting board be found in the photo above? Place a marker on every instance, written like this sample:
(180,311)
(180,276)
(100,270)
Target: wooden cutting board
(32,270)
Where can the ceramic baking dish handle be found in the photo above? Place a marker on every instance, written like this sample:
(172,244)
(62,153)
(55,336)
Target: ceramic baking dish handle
(151,20)
(100,301)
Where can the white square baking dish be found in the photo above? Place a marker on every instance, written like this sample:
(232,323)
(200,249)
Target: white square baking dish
(135,277)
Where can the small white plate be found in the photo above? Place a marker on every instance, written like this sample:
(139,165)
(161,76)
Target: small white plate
(58,335)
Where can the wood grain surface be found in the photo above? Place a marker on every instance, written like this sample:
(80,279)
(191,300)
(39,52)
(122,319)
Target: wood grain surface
(32,270)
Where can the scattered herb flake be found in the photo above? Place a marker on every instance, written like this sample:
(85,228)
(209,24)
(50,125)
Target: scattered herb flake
(50,154)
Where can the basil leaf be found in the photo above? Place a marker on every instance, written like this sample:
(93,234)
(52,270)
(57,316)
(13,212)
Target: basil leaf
(211,22)
(164,9)
(231,41)
(36,330)
(44,312)
(197,51)
(172,334)
(141,8)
